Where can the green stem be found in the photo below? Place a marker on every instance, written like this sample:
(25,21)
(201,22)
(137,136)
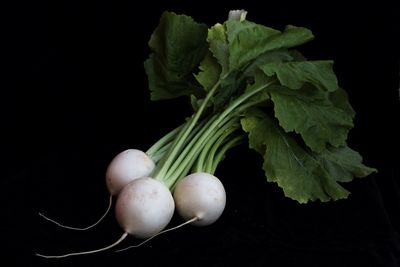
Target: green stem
(174,166)
(211,155)
(156,156)
(229,113)
(218,157)
(211,143)
(186,160)
(208,151)
(183,134)
(160,153)
(163,141)
(185,157)
(194,150)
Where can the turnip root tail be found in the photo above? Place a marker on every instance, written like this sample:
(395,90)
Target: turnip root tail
(84,252)
(162,232)
(79,228)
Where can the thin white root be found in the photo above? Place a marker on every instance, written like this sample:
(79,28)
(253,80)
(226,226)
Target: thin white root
(84,252)
(162,232)
(78,228)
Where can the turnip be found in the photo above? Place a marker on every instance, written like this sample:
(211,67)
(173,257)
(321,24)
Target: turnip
(126,167)
(143,208)
(200,195)
(123,169)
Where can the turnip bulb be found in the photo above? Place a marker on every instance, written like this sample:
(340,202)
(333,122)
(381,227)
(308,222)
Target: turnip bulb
(200,195)
(126,167)
(144,207)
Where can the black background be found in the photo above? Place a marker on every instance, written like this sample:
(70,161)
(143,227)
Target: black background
(75,94)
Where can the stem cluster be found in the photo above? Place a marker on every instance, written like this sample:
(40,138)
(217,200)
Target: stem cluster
(201,142)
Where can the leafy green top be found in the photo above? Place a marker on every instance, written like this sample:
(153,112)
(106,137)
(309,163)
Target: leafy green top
(292,109)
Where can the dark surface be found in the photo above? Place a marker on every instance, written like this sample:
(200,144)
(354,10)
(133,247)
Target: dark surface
(76,95)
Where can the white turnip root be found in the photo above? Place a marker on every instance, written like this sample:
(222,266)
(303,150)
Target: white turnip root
(123,169)
(200,195)
(144,207)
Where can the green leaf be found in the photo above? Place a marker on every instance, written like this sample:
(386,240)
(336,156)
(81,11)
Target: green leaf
(230,87)
(260,80)
(195,102)
(340,100)
(292,36)
(251,124)
(209,72)
(343,163)
(218,45)
(295,74)
(240,47)
(178,45)
(292,167)
(248,40)
(296,55)
(309,112)
(293,110)
(275,56)
(236,82)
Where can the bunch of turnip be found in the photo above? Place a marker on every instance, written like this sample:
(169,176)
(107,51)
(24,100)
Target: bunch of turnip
(243,80)
(145,203)
(175,173)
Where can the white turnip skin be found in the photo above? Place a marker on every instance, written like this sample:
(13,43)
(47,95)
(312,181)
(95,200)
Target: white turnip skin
(144,207)
(126,167)
(200,195)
